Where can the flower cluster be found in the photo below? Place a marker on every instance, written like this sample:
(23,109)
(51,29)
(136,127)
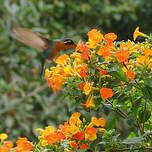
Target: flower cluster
(22,144)
(72,135)
(99,62)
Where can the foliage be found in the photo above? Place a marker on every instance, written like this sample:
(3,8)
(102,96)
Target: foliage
(104,72)
(25,101)
(117,74)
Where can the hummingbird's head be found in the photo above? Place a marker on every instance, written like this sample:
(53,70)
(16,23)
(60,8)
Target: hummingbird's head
(69,43)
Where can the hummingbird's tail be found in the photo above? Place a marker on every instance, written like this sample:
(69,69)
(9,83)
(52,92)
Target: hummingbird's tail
(43,58)
(42,69)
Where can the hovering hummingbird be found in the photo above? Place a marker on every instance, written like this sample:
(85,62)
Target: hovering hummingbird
(50,48)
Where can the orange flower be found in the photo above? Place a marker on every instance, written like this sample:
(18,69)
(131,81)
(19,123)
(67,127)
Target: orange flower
(104,51)
(74,145)
(148,52)
(74,119)
(50,138)
(95,35)
(85,55)
(78,136)
(63,59)
(84,146)
(90,134)
(142,60)
(87,88)
(106,93)
(102,72)
(24,145)
(130,75)
(122,56)
(83,71)
(56,82)
(78,46)
(97,122)
(3,149)
(90,102)
(83,47)
(59,136)
(81,85)
(110,37)
(8,144)
(137,33)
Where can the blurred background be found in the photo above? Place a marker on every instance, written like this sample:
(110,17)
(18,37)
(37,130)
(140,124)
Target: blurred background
(25,101)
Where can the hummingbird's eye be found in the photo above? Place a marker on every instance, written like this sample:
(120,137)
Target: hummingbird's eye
(68,42)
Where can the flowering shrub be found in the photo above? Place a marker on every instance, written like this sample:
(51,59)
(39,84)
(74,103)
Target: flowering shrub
(100,73)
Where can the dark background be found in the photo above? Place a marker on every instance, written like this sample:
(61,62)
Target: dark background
(25,101)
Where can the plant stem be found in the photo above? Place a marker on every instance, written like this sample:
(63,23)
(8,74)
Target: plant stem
(145,107)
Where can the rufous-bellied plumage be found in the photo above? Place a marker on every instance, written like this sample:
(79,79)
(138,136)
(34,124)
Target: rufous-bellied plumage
(50,48)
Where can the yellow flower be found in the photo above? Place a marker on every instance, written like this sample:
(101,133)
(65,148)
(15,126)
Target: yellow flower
(97,122)
(90,102)
(40,130)
(47,73)
(87,88)
(142,60)
(102,130)
(92,44)
(137,33)
(3,136)
(74,119)
(63,59)
(67,69)
(48,130)
(43,142)
(90,134)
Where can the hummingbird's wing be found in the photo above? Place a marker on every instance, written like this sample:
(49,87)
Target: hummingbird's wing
(30,38)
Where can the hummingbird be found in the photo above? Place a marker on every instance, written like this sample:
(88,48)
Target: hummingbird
(50,48)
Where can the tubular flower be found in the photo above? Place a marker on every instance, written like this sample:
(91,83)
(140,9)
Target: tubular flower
(95,35)
(84,146)
(137,33)
(104,51)
(63,59)
(122,56)
(90,102)
(147,52)
(130,75)
(3,149)
(87,88)
(23,145)
(142,60)
(85,55)
(97,122)
(74,145)
(83,71)
(83,47)
(102,72)
(3,136)
(81,85)
(106,93)
(110,37)
(8,144)
(75,120)
(91,134)
(78,136)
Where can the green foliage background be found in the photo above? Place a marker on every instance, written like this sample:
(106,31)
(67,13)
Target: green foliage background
(25,101)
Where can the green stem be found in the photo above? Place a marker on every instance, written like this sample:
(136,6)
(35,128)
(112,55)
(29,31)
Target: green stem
(145,107)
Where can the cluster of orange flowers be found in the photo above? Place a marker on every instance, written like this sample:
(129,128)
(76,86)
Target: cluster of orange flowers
(77,133)
(22,144)
(129,54)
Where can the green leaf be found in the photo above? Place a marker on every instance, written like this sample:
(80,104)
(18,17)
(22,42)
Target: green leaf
(133,140)
(141,115)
